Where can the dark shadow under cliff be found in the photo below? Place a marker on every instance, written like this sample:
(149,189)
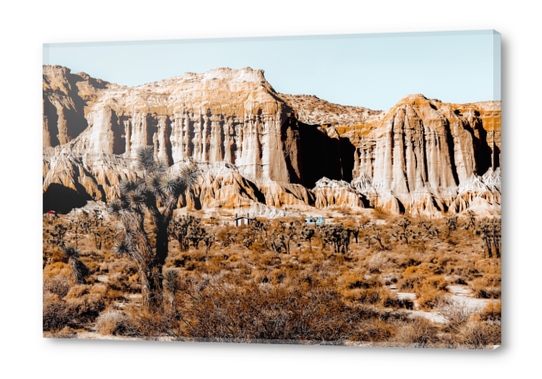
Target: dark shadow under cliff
(322,155)
(62,199)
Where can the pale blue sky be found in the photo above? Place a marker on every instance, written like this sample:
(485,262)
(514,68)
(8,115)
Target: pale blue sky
(370,70)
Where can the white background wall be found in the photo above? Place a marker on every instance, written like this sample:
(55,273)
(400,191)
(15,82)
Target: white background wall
(26,25)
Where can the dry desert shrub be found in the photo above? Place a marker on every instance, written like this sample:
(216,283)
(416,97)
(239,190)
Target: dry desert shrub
(436,281)
(66,332)
(53,256)
(55,312)
(124,266)
(112,323)
(356,280)
(407,260)
(464,270)
(142,322)
(492,311)
(429,297)
(375,330)
(123,282)
(370,290)
(456,312)
(57,268)
(390,299)
(378,262)
(363,296)
(480,333)
(487,288)
(413,277)
(58,285)
(419,332)
(212,308)
(489,266)
(85,302)
(431,289)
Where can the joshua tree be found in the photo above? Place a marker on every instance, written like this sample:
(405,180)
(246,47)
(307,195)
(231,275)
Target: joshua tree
(377,237)
(225,238)
(178,228)
(248,239)
(337,236)
(404,223)
(261,228)
(404,233)
(289,231)
(257,227)
(471,220)
(195,233)
(57,236)
(496,234)
(157,192)
(209,240)
(307,233)
(170,285)
(490,231)
(359,227)
(96,220)
(429,229)
(451,224)
(79,270)
(75,225)
(278,244)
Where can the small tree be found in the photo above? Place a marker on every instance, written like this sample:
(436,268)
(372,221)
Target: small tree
(307,233)
(338,236)
(490,231)
(430,230)
(57,235)
(289,231)
(209,240)
(178,228)
(75,225)
(278,243)
(378,238)
(471,220)
(451,224)
(170,285)
(156,192)
(405,232)
(79,270)
(195,234)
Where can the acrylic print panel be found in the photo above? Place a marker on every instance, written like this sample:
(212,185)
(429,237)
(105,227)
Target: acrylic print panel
(338,190)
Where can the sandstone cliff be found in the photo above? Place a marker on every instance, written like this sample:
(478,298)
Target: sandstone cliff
(257,146)
(223,115)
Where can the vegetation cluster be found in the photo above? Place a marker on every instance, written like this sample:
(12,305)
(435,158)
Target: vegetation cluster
(139,270)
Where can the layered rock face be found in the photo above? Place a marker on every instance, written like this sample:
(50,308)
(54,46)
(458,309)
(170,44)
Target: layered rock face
(223,115)
(70,179)
(257,146)
(422,151)
(65,96)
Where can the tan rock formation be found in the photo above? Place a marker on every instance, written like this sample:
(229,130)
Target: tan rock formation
(226,188)
(65,96)
(285,194)
(314,111)
(336,193)
(72,179)
(222,115)
(256,146)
